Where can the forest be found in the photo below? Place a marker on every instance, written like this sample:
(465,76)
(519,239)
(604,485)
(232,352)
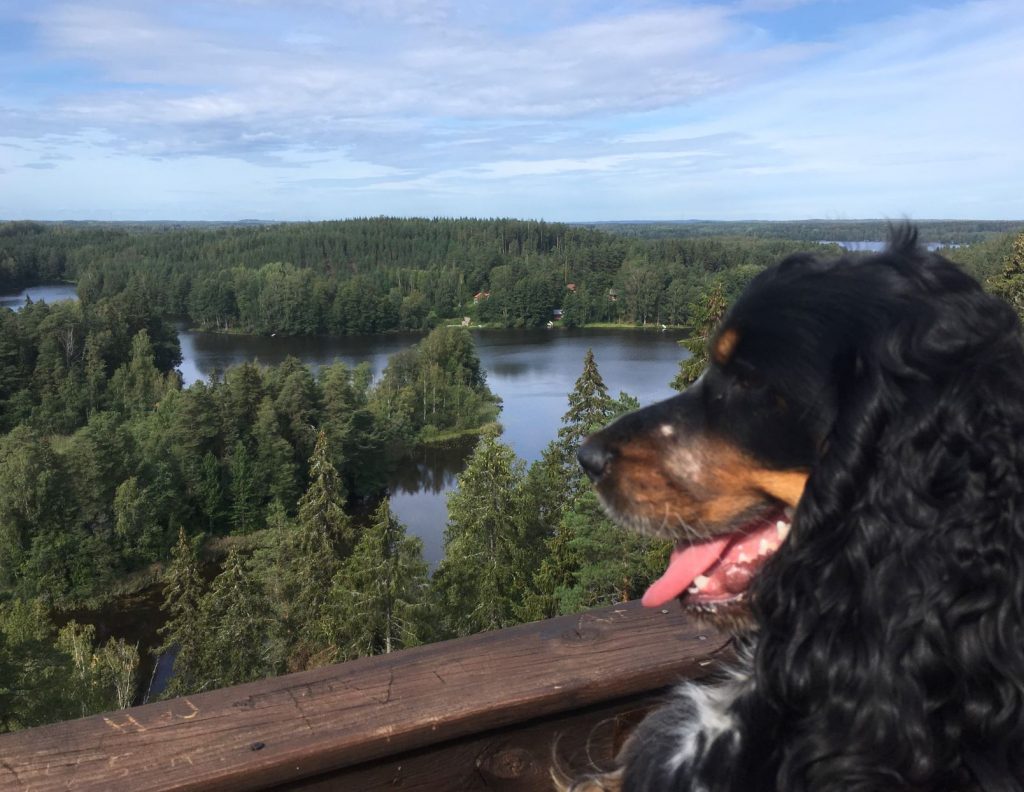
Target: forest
(254,502)
(380,274)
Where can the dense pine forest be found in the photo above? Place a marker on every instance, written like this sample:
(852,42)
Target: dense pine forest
(364,276)
(255,502)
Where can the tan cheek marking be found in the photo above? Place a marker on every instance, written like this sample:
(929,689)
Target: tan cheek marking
(724,509)
(707,483)
(786,486)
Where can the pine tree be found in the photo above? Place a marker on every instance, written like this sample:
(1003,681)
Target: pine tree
(590,406)
(183,590)
(323,524)
(705,316)
(236,628)
(378,598)
(312,557)
(482,578)
(244,493)
(138,385)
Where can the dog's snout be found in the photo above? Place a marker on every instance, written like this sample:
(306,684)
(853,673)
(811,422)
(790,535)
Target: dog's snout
(594,457)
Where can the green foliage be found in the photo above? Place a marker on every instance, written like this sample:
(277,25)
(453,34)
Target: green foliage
(32,668)
(966,232)
(481,580)
(379,597)
(705,318)
(47,676)
(324,528)
(1009,284)
(434,386)
(183,591)
(234,629)
(591,561)
(379,274)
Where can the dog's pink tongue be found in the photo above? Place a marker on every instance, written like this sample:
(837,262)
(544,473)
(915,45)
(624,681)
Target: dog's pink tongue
(684,565)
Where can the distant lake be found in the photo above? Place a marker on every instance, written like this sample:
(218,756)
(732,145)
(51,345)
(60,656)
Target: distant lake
(51,293)
(866,246)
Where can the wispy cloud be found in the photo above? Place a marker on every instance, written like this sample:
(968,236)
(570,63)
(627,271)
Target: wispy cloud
(756,108)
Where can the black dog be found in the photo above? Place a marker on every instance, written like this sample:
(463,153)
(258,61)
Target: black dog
(882,399)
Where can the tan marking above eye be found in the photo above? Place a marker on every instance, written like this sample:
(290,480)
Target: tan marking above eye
(725,345)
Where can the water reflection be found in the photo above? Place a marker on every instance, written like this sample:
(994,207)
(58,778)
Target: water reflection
(432,469)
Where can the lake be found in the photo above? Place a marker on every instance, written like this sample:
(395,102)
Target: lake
(51,293)
(874,246)
(531,370)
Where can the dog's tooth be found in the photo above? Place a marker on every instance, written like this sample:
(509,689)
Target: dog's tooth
(762,547)
(743,558)
(701,582)
(782,529)
(693,590)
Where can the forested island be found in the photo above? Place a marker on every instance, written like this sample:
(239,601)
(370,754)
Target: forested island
(255,502)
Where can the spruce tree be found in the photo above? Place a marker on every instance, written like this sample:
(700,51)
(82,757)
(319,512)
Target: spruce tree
(183,590)
(138,385)
(590,406)
(243,490)
(378,599)
(312,557)
(481,581)
(235,624)
(323,525)
(276,470)
(586,559)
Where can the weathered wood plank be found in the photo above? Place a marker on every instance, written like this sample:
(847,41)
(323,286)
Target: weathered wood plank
(514,759)
(300,725)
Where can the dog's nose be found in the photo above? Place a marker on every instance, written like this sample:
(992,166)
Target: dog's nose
(594,457)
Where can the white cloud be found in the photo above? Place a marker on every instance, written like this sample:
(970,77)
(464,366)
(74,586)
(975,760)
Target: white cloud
(652,110)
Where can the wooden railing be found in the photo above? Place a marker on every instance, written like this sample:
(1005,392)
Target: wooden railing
(482,712)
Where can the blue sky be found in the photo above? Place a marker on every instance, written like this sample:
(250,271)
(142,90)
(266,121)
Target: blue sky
(573,110)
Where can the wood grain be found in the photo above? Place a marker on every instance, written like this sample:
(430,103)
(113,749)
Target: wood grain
(299,726)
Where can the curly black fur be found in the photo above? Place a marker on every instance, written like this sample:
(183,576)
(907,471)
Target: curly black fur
(889,649)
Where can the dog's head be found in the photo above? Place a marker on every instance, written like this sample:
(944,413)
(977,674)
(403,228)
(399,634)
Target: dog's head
(720,470)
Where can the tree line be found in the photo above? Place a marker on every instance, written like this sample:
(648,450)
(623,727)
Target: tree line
(942,232)
(380,274)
